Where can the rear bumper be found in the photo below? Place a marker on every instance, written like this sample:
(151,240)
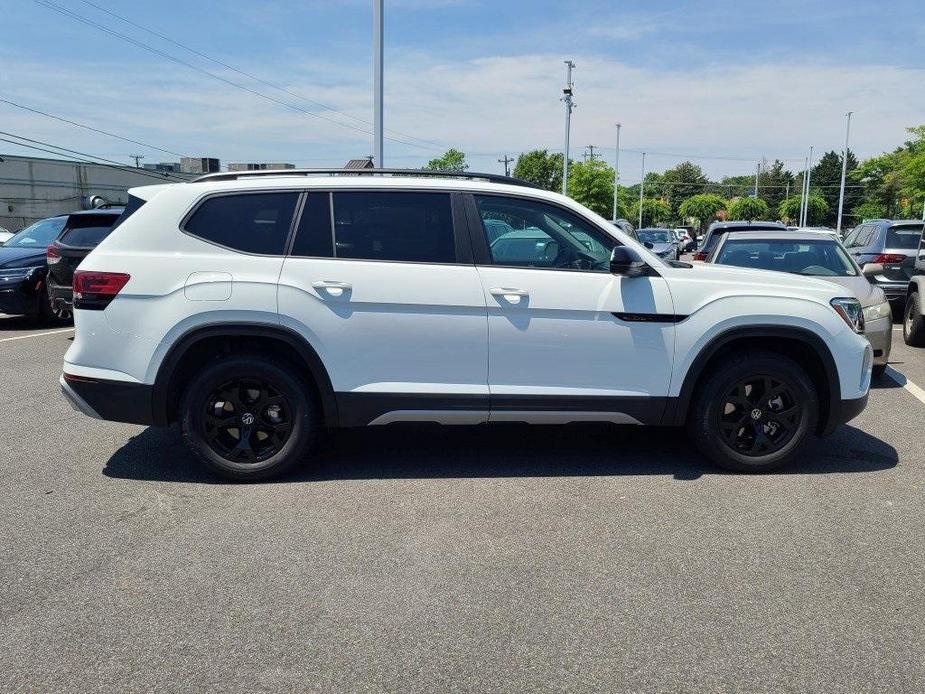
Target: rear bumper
(58,293)
(894,290)
(114,401)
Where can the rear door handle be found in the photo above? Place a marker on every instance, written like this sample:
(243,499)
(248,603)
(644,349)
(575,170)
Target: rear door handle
(332,287)
(510,294)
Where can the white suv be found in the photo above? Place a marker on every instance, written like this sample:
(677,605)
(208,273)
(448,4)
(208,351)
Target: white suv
(255,309)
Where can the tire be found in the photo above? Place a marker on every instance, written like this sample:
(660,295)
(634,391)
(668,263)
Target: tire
(50,316)
(728,432)
(913,323)
(283,418)
(878,370)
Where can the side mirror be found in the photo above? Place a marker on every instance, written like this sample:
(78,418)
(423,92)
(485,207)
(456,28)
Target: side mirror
(871,270)
(626,262)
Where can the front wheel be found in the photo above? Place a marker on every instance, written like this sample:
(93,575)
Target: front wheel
(248,418)
(913,323)
(754,412)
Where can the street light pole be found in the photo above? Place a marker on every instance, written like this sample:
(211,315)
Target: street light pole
(844,170)
(809,178)
(378,49)
(569,105)
(803,191)
(757,171)
(616,175)
(642,185)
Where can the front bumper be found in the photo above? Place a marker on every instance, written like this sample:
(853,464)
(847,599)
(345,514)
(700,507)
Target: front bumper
(846,411)
(880,335)
(114,401)
(22,300)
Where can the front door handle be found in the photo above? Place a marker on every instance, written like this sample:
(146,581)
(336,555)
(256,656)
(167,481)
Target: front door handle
(331,287)
(510,294)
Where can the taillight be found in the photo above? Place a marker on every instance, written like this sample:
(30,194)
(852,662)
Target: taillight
(886,258)
(700,255)
(52,255)
(95,290)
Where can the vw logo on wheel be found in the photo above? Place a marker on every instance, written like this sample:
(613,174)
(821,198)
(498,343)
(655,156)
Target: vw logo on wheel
(756,414)
(247,418)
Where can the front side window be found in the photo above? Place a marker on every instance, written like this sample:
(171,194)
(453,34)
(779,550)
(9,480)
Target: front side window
(248,222)
(396,226)
(542,236)
(822,258)
(38,235)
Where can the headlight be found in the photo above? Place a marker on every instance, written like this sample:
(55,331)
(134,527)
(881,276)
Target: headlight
(851,313)
(878,311)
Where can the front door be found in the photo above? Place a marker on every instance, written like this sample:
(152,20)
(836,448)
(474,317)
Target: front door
(568,341)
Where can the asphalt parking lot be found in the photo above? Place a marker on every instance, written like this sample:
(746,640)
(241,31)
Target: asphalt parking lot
(516,559)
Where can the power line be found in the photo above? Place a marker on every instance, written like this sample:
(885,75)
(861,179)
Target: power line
(156,51)
(245,74)
(90,127)
(102,161)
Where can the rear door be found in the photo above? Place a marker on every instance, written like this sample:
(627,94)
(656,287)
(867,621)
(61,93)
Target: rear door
(382,284)
(80,236)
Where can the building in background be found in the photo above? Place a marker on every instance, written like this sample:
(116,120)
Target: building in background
(164,166)
(32,188)
(360,164)
(199,165)
(262,166)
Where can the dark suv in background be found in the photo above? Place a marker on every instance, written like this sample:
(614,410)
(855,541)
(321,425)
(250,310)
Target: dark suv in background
(894,245)
(717,229)
(80,235)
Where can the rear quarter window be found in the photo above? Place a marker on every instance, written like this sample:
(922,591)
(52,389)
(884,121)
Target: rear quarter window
(248,222)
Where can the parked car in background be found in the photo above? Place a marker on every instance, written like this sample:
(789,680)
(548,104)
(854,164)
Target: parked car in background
(663,242)
(717,229)
(893,247)
(5,235)
(824,231)
(23,269)
(686,239)
(256,309)
(627,228)
(814,254)
(913,318)
(81,234)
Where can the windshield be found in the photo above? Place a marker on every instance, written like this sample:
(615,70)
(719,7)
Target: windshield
(39,235)
(654,236)
(822,258)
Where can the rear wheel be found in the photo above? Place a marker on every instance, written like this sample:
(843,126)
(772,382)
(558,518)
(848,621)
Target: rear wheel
(913,323)
(55,315)
(248,418)
(754,412)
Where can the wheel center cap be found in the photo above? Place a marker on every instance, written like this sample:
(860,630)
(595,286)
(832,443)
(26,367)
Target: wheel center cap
(247,418)
(756,414)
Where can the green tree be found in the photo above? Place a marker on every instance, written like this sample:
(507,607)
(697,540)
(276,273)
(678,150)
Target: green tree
(702,207)
(540,167)
(749,208)
(789,209)
(826,182)
(654,211)
(452,160)
(681,182)
(591,183)
(773,183)
(867,210)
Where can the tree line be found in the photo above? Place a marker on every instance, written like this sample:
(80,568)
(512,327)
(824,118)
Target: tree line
(891,185)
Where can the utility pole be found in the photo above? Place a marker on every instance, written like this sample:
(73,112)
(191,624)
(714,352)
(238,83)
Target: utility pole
(507,164)
(757,171)
(616,175)
(844,170)
(642,185)
(137,158)
(569,105)
(591,155)
(378,54)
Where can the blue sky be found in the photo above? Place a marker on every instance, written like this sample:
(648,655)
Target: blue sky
(722,82)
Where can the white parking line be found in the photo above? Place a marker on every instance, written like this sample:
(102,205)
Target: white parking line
(26,337)
(916,392)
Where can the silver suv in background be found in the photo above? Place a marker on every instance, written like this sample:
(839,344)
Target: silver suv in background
(893,244)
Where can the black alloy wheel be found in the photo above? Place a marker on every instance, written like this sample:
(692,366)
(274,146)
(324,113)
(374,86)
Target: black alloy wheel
(246,420)
(759,415)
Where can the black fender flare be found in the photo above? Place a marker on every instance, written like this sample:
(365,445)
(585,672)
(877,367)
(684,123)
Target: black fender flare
(676,413)
(160,396)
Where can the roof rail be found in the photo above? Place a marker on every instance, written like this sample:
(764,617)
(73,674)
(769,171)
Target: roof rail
(493,178)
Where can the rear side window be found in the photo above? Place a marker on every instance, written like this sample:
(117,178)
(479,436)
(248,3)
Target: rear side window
(864,236)
(86,231)
(903,237)
(248,222)
(409,227)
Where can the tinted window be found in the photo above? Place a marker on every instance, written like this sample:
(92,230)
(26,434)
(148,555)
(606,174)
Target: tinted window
(38,235)
(543,236)
(903,237)
(864,236)
(314,238)
(410,227)
(821,258)
(249,222)
(86,231)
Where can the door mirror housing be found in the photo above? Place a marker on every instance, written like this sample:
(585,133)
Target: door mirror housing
(626,262)
(871,270)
